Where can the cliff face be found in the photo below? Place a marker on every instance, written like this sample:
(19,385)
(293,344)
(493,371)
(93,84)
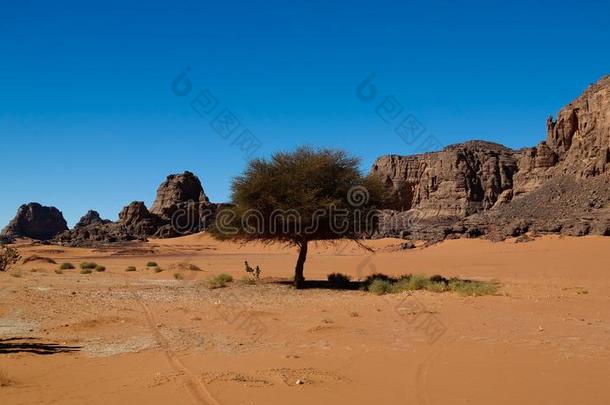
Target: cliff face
(473,177)
(455,182)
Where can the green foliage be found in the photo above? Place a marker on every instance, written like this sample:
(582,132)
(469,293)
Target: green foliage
(100,268)
(218,281)
(301,186)
(8,257)
(338,280)
(383,284)
(380,287)
(66,266)
(88,265)
(151,264)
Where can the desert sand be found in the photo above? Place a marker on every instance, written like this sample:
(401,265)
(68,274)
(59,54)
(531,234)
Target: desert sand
(163,338)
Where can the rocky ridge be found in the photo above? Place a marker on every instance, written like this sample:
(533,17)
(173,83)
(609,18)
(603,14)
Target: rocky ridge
(479,188)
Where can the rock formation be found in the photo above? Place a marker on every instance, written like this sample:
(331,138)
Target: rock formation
(91,218)
(181,208)
(37,222)
(475,177)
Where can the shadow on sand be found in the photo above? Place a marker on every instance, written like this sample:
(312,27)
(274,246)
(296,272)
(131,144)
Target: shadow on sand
(32,345)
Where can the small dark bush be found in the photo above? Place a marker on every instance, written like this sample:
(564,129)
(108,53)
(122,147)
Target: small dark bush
(130,268)
(88,265)
(338,280)
(151,264)
(100,268)
(66,266)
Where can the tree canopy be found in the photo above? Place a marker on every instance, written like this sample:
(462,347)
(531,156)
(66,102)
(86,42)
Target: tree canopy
(302,196)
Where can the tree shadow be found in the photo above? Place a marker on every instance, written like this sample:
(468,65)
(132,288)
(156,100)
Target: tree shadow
(323,285)
(31,345)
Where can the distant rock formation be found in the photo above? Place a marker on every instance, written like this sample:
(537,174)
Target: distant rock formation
(181,208)
(177,189)
(471,179)
(91,218)
(37,222)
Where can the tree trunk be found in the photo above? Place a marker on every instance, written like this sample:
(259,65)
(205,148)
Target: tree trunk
(299,280)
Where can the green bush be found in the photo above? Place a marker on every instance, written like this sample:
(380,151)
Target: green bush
(66,266)
(383,284)
(88,265)
(218,281)
(380,287)
(99,268)
(151,264)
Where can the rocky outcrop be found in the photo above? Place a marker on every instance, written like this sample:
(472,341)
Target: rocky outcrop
(458,181)
(91,218)
(470,179)
(175,191)
(181,208)
(37,222)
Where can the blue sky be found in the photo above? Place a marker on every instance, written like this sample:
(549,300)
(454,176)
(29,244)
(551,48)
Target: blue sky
(89,120)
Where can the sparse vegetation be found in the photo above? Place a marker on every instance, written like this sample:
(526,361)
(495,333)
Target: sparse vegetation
(151,264)
(338,280)
(130,268)
(36,258)
(8,257)
(382,284)
(248,280)
(86,271)
(218,281)
(333,182)
(100,268)
(88,265)
(66,266)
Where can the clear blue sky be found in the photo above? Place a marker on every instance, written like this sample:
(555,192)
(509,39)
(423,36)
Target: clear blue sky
(88,118)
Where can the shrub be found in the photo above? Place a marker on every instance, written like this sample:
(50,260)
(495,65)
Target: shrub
(473,288)
(88,265)
(338,280)
(248,280)
(86,271)
(66,266)
(99,268)
(130,268)
(379,286)
(382,284)
(151,264)
(218,281)
(8,257)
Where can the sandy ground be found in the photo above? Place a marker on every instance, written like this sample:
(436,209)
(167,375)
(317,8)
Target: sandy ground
(146,337)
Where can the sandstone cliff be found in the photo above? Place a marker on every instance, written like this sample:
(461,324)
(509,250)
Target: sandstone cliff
(465,179)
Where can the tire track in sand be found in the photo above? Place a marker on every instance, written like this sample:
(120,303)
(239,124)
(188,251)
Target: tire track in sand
(194,385)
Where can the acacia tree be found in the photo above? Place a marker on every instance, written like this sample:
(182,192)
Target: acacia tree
(299,197)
